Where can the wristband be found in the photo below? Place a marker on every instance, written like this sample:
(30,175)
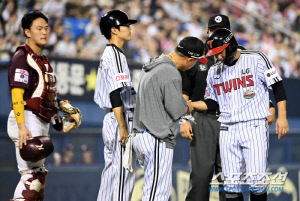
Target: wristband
(182,121)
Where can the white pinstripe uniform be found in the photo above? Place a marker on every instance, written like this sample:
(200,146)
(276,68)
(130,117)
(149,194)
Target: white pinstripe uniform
(113,73)
(241,91)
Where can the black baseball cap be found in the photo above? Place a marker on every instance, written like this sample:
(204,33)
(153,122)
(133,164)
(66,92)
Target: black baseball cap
(219,20)
(192,47)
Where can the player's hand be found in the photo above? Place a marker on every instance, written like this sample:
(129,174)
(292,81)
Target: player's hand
(186,131)
(123,136)
(271,119)
(190,107)
(23,133)
(282,127)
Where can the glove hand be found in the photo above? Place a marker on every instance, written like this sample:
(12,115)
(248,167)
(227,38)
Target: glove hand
(72,116)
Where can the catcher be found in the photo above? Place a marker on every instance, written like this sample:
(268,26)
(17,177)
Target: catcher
(35,104)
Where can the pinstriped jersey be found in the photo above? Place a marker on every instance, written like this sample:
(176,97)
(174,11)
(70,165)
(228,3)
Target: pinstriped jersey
(241,90)
(113,73)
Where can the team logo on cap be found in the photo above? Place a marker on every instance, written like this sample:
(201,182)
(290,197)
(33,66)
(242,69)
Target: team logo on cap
(193,54)
(210,43)
(218,19)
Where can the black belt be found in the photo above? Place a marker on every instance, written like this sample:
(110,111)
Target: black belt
(108,110)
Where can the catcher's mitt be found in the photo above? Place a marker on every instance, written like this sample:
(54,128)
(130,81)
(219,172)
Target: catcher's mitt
(72,116)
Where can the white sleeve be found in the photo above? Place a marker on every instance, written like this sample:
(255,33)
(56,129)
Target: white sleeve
(266,71)
(114,72)
(209,91)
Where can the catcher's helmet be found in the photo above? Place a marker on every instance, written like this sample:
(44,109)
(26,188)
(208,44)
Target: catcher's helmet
(114,18)
(36,149)
(221,39)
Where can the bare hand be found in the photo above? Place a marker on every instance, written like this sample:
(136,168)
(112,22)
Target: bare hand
(186,131)
(190,107)
(123,136)
(282,127)
(271,119)
(23,133)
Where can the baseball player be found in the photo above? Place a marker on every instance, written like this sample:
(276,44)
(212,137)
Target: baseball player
(239,83)
(114,93)
(34,104)
(160,105)
(204,145)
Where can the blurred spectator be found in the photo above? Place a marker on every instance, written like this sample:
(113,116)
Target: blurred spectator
(145,17)
(55,8)
(194,28)
(86,156)
(92,28)
(80,46)
(172,7)
(66,47)
(162,23)
(68,155)
(13,25)
(57,159)
(92,49)
(14,42)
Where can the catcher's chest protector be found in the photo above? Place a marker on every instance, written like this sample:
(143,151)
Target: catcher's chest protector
(43,97)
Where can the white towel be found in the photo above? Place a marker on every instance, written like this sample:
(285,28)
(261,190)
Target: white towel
(127,157)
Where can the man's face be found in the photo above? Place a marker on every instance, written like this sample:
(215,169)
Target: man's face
(221,56)
(38,32)
(124,32)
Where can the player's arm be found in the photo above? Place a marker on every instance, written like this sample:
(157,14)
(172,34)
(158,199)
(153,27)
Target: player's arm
(268,74)
(282,126)
(207,104)
(174,103)
(18,107)
(272,110)
(185,126)
(117,104)
(210,98)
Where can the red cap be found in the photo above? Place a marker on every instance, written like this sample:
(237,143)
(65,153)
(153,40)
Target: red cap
(203,60)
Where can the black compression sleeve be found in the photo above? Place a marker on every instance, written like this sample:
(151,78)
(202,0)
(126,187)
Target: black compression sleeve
(279,91)
(271,104)
(115,98)
(211,104)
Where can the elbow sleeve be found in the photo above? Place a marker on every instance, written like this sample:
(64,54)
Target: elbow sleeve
(279,92)
(211,104)
(115,98)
